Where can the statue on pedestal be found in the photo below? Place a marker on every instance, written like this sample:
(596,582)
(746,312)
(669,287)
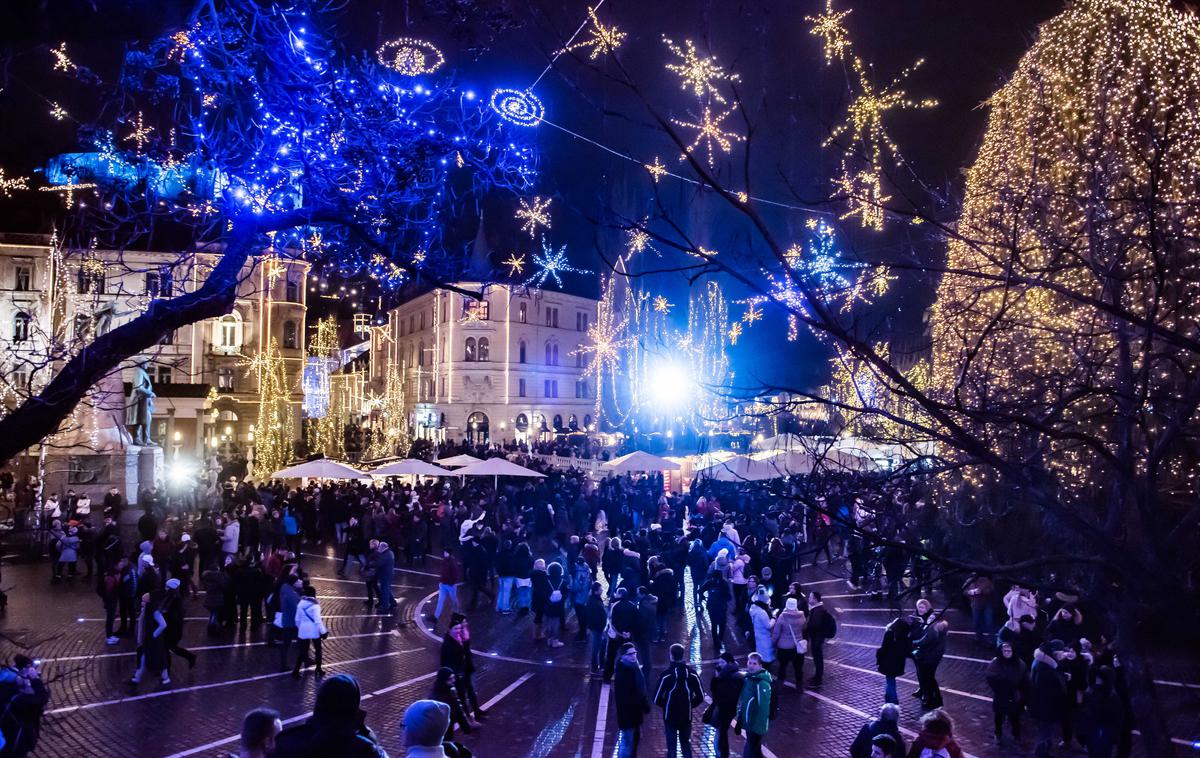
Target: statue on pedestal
(141,405)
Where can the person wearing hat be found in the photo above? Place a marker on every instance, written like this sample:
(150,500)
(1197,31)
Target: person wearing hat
(458,657)
(68,555)
(425,725)
(725,688)
(446,690)
(1047,695)
(172,611)
(716,596)
(788,637)
(184,559)
(762,623)
(336,727)
(629,690)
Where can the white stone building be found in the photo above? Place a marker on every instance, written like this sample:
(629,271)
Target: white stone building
(504,367)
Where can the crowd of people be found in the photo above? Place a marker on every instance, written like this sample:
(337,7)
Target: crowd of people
(609,563)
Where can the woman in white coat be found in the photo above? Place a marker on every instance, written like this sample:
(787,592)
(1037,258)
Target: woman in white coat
(760,618)
(310,630)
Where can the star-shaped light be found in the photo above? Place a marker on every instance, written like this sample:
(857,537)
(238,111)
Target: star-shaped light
(793,254)
(68,189)
(551,265)
(16,183)
(829,27)
(697,73)
(61,61)
(753,313)
(515,263)
(709,134)
(656,169)
(662,305)
(535,214)
(140,135)
(734,332)
(57,112)
(603,39)
(638,241)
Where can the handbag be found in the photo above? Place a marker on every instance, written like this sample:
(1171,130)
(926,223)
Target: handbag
(801,645)
(710,714)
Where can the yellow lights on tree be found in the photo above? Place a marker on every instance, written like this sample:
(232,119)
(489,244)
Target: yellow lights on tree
(696,73)
(710,134)
(601,40)
(16,183)
(68,189)
(139,133)
(275,430)
(830,28)
(535,214)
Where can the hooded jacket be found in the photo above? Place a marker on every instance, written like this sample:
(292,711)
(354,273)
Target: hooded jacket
(934,741)
(337,726)
(893,651)
(678,692)
(754,706)
(1006,677)
(629,687)
(788,631)
(1047,688)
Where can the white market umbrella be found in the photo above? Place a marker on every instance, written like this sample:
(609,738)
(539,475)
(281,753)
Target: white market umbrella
(780,442)
(322,468)
(458,460)
(789,462)
(410,467)
(741,469)
(640,460)
(496,468)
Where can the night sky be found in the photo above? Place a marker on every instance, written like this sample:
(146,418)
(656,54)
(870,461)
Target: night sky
(790,95)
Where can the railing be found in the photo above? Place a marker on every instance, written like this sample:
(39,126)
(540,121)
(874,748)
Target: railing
(590,465)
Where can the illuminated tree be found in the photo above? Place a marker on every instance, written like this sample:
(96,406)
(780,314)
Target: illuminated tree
(243,131)
(274,432)
(325,406)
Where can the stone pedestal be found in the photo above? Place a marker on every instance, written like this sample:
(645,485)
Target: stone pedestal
(92,472)
(149,467)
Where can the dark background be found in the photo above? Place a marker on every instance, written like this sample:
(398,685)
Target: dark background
(790,96)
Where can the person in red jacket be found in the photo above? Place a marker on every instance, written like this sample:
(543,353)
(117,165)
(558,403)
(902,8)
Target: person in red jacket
(937,734)
(447,583)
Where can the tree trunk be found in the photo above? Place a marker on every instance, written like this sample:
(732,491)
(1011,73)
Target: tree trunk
(40,415)
(1147,711)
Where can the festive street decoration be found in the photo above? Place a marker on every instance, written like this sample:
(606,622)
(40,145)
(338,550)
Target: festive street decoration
(275,429)
(57,112)
(324,428)
(552,264)
(662,304)
(709,133)
(608,339)
(515,263)
(140,133)
(389,418)
(830,28)
(602,40)
(522,108)
(410,57)
(699,74)
(62,62)
(535,214)
(657,169)
(68,189)
(7,185)
(639,240)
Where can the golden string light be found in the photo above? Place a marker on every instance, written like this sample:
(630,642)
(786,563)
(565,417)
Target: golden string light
(57,112)
(657,169)
(639,240)
(16,183)
(62,62)
(535,214)
(139,133)
(662,304)
(699,74)
(601,40)
(830,28)
(182,43)
(410,57)
(710,134)
(274,430)
(68,189)
(515,263)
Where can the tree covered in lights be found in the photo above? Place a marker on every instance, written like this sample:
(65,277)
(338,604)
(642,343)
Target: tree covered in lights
(248,133)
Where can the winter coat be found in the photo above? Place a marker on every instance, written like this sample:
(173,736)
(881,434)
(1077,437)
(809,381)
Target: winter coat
(861,747)
(717,595)
(1047,688)
(678,692)
(929,648)
(216,585)
(541,591)
(893,651)
(289,601)
(21,720)
(726,689)
(763,643)
(69,545)
(819,623)
(788,631)
(581,584)
(230,537)
(309,625)
(337,727)
(385,566)
(625,618)
(629,687)
(1007,678)
(457,656)
(754,705)
(595,613)
(933,742)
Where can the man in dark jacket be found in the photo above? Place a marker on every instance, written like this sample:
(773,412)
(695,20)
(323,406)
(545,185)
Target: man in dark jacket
(629,689)
(717,596)
(820,628)
(891,656)
(887,723)
(928,650)
(596,616)
(337,726)
(678,692)
(458,657)
(1047,695)
(23,698)
(647,621)
(624,618)
(385,569)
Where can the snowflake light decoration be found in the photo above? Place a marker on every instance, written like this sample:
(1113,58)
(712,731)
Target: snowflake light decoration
(68,190)
(603,39)
(662,304)
(57,112)
(552,264)
(16,183)
(709,134)
(864,197)
(697,73)
(140,133)
(753,313)
(520,107)
(657,169)
(410,57)
(515,263)
(639,240)
(735,331)
(829,27)
(535,214)
(62,62)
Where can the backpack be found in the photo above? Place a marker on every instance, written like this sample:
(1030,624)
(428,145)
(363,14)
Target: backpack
(830,626)
(931,753)
(556,595)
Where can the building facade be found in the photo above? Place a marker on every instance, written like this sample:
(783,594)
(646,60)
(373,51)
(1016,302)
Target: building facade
(207,399)
(508,366)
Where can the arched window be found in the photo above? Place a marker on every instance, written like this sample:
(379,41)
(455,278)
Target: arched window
(21,327)
(469,353)
(587,421)
(555,363)
(412,358)
(291,290)
(483,349)
(579,357)
(421,353)
(572,423)
(225,379)
(228,336)
(521,352)
(558,423)
(290,340)
(549,355)
(522,422)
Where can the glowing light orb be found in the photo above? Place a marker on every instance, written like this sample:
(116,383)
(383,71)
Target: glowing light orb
(520,107)
(410,57)
(669,385)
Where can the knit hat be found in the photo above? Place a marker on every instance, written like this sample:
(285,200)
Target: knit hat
(728,658)
(172,584)
(185,537)
(338,697)
(425,723)
(761,596)
(791,604)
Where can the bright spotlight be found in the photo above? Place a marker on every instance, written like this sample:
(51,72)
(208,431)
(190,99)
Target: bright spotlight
(669,386)
(179,473)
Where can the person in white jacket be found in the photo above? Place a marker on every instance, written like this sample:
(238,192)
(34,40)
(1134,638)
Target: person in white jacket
(231,536)
(310,630)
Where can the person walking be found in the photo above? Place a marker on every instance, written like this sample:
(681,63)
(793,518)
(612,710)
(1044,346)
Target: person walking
(457,656)
(892,655)
(151,643)
(385,571)
(820,628)
(172,611)
(285,620)
(447,584)
(1007,678)
(446,690)
(678,692)
(725,690)
(927,653)
(581,591)
(555,612)
(754,706)
(108,587)
(596,616)
(761,623)
(310,630)
(629,690)
(888,723)
(717,596)
(788,637)
(1047,695)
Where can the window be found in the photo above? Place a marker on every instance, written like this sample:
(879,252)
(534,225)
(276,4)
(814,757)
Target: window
(401,327)
(168,338)
(291,288)
(476,310)
(91,277)
(228,337)
(523,312)
(521,352)
(483,349)
(225,379)
(552,317)
(443,386)
(587,421)
(422,319)
(421,353)
(83,326)
(469,352)
(520,388)
(23,275)
(551,388)
(558,423)
(554,355)
(412,324)
(19,378)
(581,389)
(20,327)
(581,321)
(164,375)
(158,283)
(290,335)
(522,422)
(585,323)
(546,388)
(579,356)
(549,355)
(572,423)
(445,307)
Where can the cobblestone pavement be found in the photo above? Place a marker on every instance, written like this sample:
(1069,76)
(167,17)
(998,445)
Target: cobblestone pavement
(541,701)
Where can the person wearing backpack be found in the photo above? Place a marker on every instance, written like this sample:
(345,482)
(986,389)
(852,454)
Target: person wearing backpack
(581,590)
(821,627)
(678,692)
(555,613)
